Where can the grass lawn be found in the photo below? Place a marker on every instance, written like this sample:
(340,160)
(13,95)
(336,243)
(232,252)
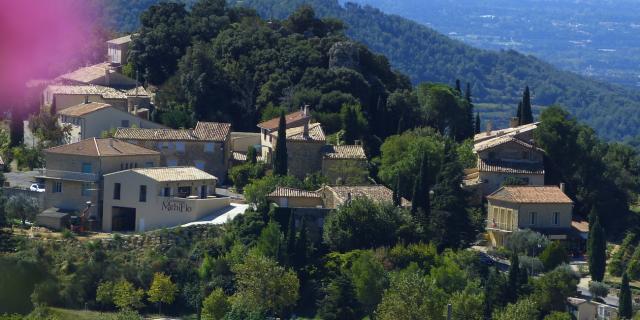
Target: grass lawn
(71,314)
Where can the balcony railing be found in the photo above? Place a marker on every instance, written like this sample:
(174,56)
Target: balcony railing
(68,175)
(491,225)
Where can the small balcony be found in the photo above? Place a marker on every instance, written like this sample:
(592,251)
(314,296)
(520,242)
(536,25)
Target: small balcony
(67,175)
(502,227)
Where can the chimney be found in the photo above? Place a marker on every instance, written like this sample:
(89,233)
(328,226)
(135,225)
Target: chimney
(86,99)
(130,106)
(305,132)
(562,186)
(489,126)
(305,110)
(514,122)
(106,77)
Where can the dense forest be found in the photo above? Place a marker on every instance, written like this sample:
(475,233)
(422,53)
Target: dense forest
(366,259)
(496,77)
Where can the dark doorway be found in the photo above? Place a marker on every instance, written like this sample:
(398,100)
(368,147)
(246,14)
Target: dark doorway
(123,219)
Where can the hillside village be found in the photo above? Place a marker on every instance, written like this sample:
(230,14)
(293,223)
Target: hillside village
(338,209)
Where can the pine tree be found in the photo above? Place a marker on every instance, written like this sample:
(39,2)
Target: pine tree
(280,161)
(526,114)
(624,299)
(597,247)
(291,238)
(513,282)
(477,125)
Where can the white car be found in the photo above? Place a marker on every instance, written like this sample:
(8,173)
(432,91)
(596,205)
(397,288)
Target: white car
(37,187)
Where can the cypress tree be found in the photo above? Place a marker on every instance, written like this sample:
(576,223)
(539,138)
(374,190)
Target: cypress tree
(350,124)
(458,86)
(513,282)
(301,245)
(477,125)
(519,113)
(527,115)
(280,161)
(17,128)
(291,238)
(597,247)
(624,299)
(467,93)
(397,198)
(252,155)
(420,199)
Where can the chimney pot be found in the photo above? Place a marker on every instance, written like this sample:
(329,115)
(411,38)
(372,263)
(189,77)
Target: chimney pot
(514,122)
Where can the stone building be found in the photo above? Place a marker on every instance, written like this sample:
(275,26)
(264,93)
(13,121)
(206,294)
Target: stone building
(269,127)
(206,147)
(91,119)
(345,164)
(74,172)
(545,209)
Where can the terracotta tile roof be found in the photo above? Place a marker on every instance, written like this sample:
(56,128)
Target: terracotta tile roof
(294,118)
(580,226)
(173,174)
(87,74)
(530,194)
(344,152)
(242,157)
(120,40)
(204,131)
(492,143)
(507,131)
(377,193)
(212,131)
(95,147)
(510,167)
(293,193)
(83,109)
(105,92)
(137,92)
(297,133)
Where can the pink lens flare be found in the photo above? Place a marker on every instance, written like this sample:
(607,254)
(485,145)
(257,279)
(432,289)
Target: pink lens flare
(37,37)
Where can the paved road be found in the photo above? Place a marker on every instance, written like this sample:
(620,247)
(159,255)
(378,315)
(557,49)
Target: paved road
(583,289)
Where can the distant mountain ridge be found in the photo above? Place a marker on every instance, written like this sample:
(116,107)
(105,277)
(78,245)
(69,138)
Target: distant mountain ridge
(497,77)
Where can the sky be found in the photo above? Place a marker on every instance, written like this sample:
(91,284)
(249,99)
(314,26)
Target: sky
(36,36)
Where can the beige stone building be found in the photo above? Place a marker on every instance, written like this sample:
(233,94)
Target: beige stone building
(502,155)
(267,128)
(345,164)
(118,50)
(143,199)
(206,147)
(73,173)
(545,209)
(304,149)
(295,198)
(102,74)
(90,120)
(331,197)
(583,309)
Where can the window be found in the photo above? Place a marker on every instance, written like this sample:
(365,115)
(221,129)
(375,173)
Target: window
(180,146)
(124,123)
(86,189)
(532,218)
(184,192)
(166,192)
(172,163)
(57,187)
(148,164)
(556,218)
(116,191)
(143,193)
(86,167)
(199,164)
(209,147)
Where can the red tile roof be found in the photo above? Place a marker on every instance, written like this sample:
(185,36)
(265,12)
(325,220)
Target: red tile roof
(530,194)
(95,147)
(293,193)
(292,119)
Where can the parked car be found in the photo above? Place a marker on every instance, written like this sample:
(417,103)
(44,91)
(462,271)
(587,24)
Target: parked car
(37,187)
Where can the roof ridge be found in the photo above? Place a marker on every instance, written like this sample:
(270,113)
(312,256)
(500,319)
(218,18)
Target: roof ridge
(95,142)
